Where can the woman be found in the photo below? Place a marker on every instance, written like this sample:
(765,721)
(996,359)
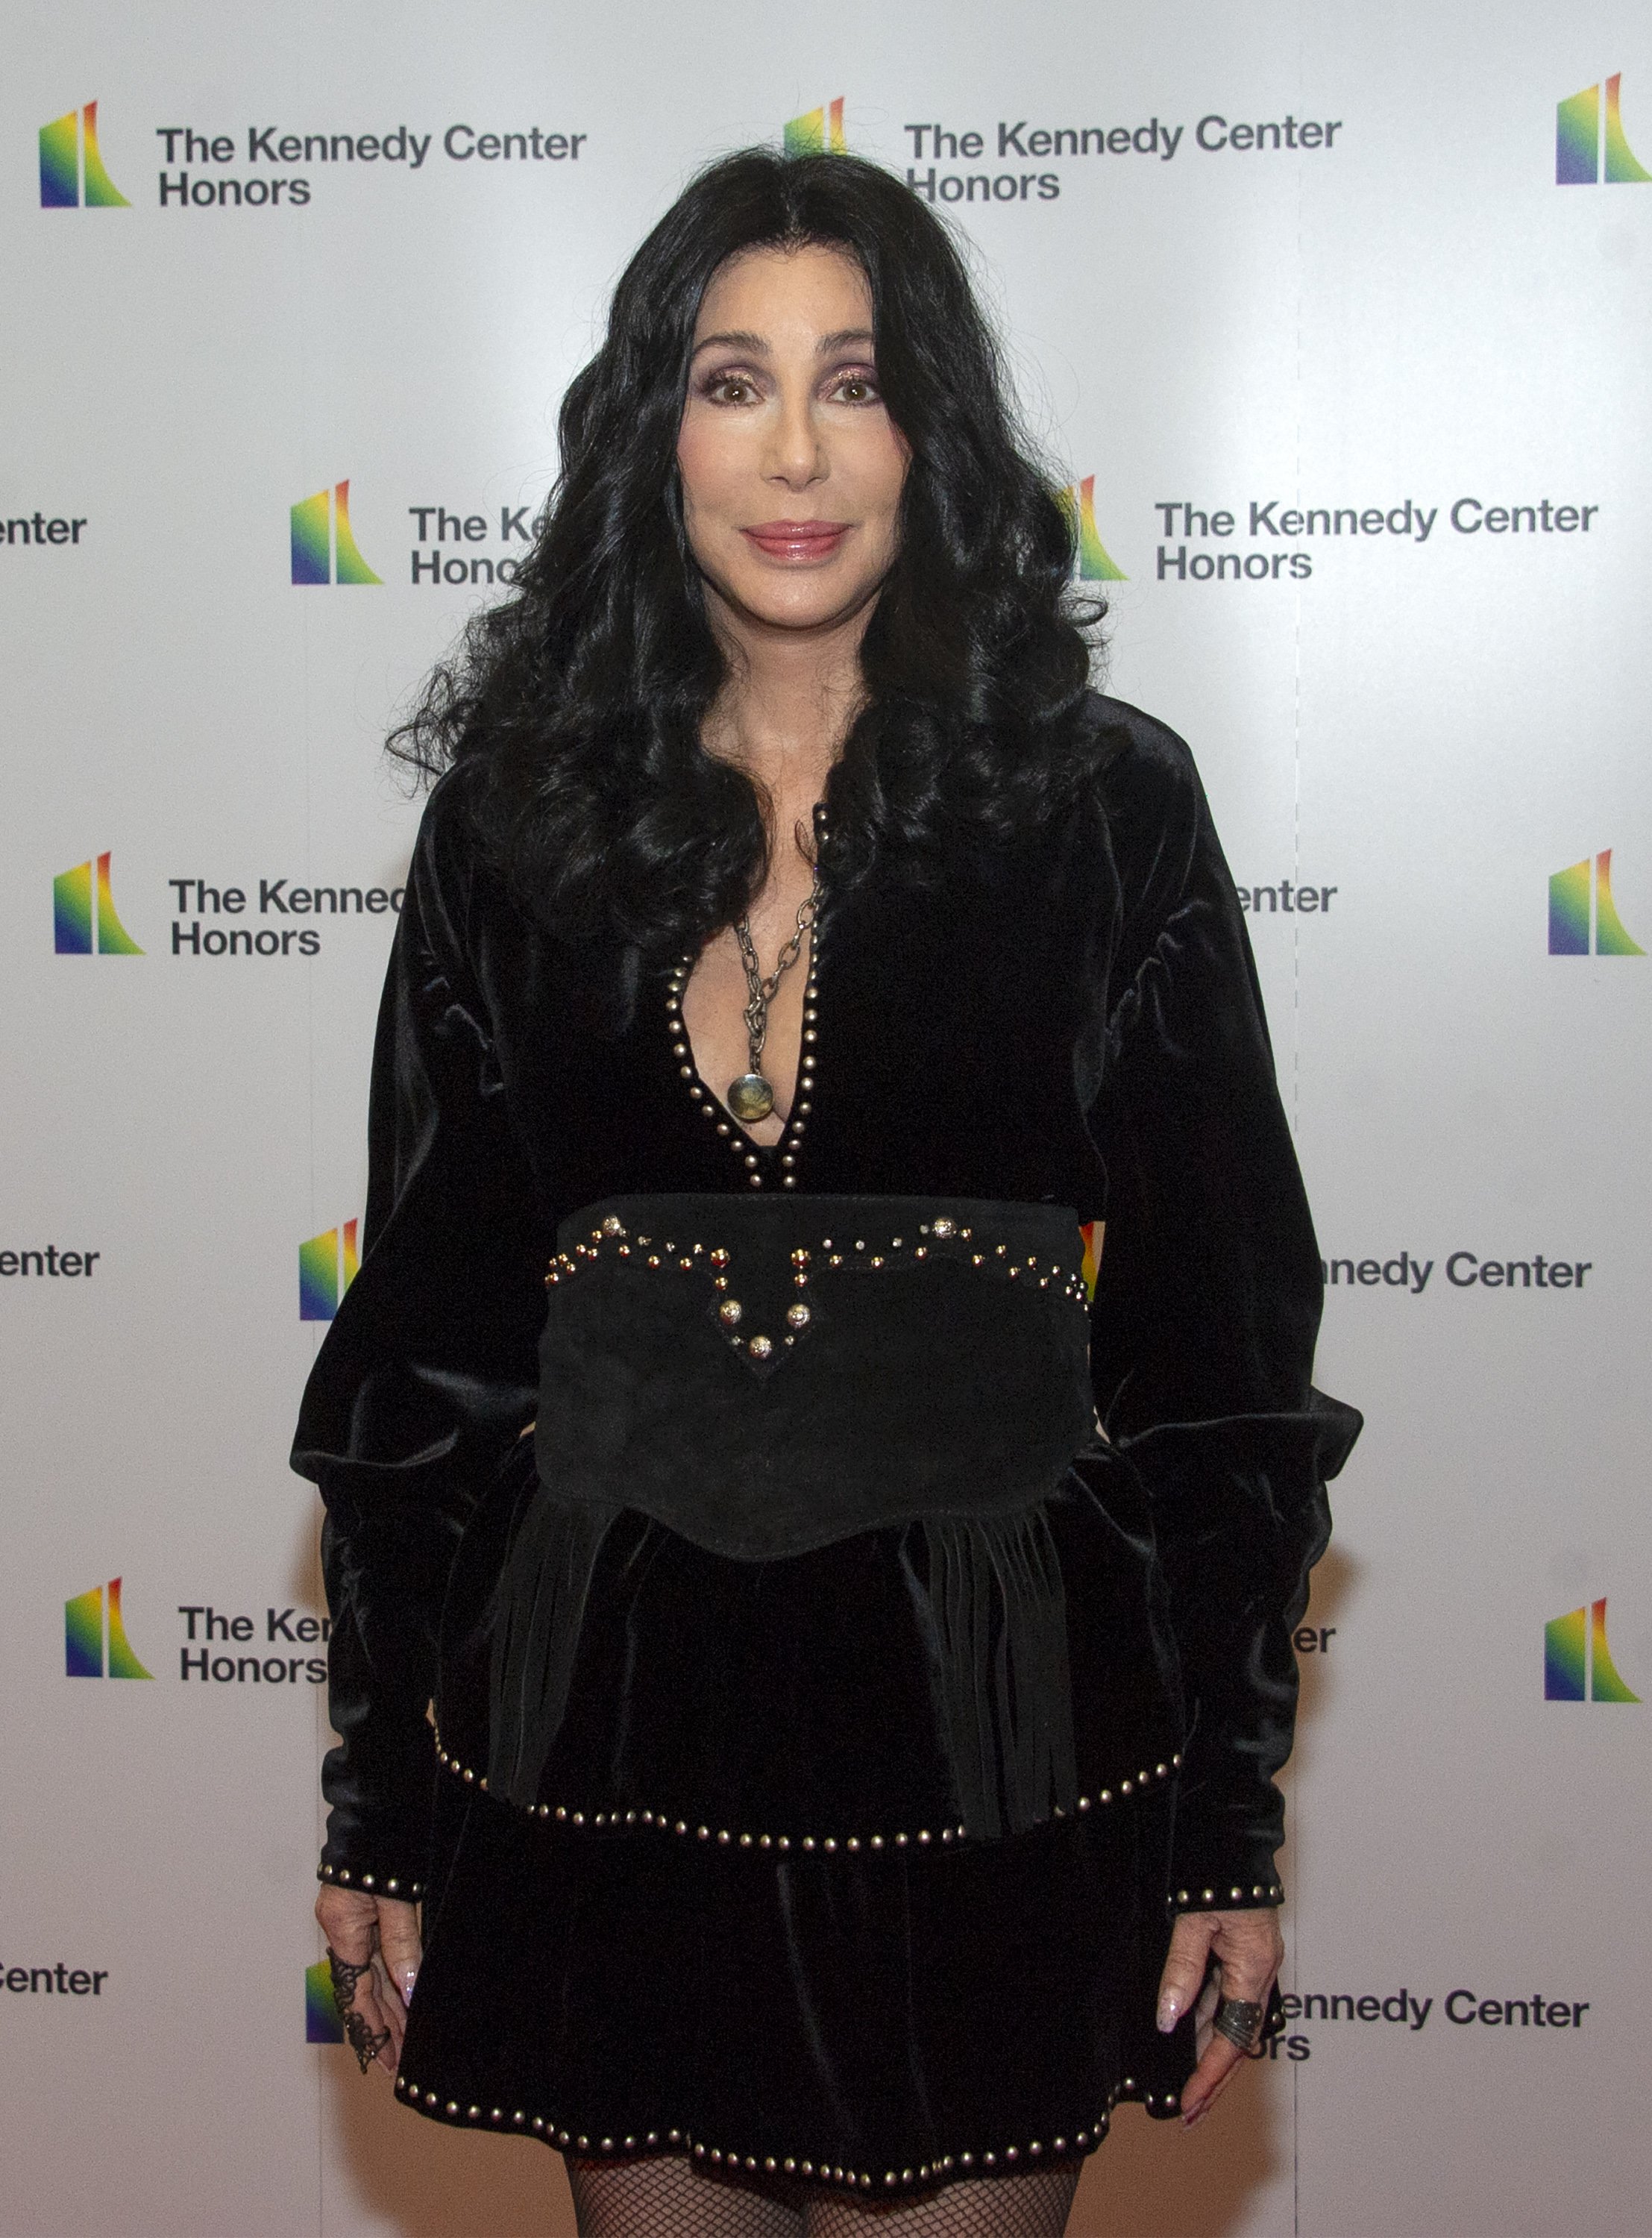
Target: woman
(851,1760)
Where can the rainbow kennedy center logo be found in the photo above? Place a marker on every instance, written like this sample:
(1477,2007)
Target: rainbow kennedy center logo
(1590,149)
(327,1265)
(84,919)
(1577,1663)
(324,550)
(94,1641)
(1078,502)
(321,2021)
(817,131)
(1583,918)
(72,169)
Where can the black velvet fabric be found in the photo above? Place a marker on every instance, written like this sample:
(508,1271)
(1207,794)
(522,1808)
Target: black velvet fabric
(1073,1024)
(820,1698)
(852,2018)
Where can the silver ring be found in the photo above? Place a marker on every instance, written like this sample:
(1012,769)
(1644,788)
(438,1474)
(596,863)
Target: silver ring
(1240,2021)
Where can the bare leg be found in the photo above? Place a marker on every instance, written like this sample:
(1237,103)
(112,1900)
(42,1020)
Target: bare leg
(1034,2206)
(670,2197)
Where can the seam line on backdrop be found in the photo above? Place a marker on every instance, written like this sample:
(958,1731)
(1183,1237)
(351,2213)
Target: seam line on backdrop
(319,1714)
(1296,2146)
(1296,725)
(309,1102)
(1294,1957)
(1296,1058)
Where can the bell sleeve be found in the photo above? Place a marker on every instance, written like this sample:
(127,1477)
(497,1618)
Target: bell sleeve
(1208,1307)
(427,1374)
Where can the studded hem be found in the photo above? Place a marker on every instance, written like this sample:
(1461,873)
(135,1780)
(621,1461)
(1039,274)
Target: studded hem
(1251,1896)
(663,1822)
(1001,2160)
(409,1891)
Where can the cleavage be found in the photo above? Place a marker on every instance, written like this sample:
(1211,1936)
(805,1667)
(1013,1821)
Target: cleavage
(713,1006)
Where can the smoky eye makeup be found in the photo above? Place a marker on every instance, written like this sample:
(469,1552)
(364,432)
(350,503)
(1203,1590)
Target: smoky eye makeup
(714,375)
(861,376)
(710,385)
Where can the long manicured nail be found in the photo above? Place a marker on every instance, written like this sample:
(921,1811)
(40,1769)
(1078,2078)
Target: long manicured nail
(1169,2012)
(406,1976)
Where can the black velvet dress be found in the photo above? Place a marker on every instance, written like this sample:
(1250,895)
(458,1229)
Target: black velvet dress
(752,1919)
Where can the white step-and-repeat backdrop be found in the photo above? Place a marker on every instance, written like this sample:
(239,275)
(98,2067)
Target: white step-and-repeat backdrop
(1338,320)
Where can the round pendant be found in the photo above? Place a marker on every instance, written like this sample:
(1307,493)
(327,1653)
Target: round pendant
(750,1097)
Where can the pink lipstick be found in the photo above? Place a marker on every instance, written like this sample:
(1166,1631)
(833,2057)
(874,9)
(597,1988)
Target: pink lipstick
(798,541)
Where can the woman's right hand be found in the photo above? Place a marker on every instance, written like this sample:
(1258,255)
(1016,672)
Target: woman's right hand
(380,1934)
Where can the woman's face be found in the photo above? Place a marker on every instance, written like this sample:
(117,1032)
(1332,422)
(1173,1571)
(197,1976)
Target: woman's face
(792,467)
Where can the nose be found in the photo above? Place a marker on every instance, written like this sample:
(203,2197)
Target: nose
(796,455)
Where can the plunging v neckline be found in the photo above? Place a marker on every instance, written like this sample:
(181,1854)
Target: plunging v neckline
(760,1159)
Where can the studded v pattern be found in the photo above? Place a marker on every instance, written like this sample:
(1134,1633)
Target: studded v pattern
(711,1108)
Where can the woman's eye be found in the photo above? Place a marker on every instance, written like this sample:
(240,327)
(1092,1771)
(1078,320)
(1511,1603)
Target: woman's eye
(729,388)
(856,389)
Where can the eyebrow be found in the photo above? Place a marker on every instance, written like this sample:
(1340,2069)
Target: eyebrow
(755,346)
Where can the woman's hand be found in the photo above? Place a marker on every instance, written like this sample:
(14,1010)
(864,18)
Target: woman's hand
(1247,1948)
(381,1936)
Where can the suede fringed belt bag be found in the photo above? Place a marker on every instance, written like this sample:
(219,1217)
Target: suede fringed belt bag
(766,1375)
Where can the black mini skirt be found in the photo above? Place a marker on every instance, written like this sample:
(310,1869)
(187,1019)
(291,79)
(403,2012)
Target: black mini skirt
(880,2021)
(808,1733)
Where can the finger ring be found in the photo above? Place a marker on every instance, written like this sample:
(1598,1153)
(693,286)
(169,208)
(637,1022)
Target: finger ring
(365,2042)
(1239,2020)
(345,1978)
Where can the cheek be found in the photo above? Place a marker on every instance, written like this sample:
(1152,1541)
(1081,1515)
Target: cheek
(707,459)
(879,468)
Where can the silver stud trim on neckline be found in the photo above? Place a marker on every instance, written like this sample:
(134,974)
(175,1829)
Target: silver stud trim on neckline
(804,1089)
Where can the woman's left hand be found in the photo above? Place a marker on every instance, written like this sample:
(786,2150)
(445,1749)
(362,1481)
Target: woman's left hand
(1247,1948)
(376,1938)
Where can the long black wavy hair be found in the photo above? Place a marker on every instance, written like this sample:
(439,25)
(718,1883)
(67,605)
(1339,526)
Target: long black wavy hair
(582,696)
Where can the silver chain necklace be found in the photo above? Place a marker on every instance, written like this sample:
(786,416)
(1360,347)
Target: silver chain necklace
(750,1096)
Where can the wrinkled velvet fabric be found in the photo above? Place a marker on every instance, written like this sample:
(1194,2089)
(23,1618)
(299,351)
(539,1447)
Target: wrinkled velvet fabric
(840,1693)
(1075,1021)
(885,2015)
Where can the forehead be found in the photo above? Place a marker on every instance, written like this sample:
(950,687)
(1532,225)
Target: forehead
(786,292)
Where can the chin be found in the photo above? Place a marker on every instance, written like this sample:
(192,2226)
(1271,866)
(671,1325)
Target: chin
(787,598)
(808,607)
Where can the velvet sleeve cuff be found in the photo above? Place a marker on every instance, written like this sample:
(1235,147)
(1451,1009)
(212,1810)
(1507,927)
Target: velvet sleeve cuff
(1241,1517)
(385,1573)
(1265,1890)
(371,1880)
(379,1785)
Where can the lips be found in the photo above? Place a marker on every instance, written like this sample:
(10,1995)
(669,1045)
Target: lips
(797,541)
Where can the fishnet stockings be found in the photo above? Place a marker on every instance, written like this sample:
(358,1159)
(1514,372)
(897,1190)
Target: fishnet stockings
(672,2198)
(998,2206)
